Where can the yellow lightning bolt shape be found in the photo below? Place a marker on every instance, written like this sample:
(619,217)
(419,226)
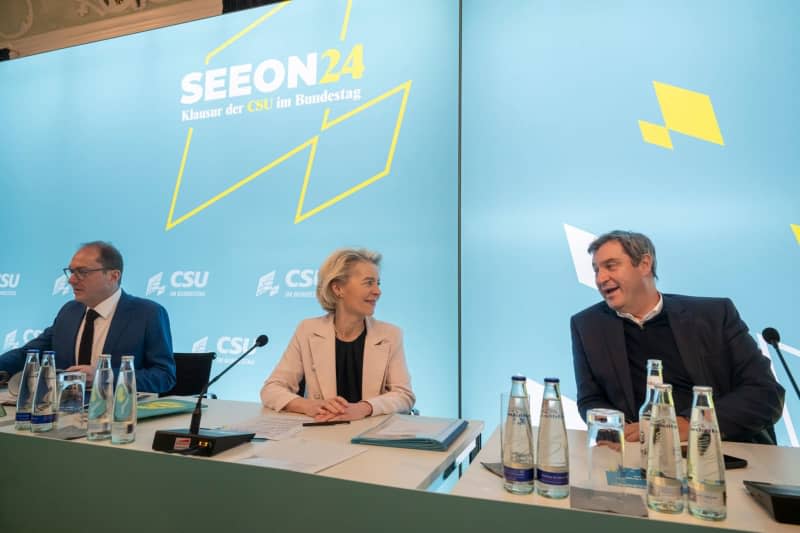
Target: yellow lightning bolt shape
(310,144)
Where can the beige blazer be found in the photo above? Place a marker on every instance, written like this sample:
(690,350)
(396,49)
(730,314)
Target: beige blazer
(385,382)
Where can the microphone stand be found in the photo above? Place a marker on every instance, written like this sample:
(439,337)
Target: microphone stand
(774,345)
(194,427)
(205,442)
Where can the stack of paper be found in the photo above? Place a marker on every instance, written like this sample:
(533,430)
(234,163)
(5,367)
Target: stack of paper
(417,432)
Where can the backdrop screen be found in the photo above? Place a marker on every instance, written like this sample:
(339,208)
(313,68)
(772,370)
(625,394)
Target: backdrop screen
(226,159)
(673,120)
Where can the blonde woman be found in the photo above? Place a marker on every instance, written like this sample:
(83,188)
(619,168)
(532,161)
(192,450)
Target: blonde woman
(352,365)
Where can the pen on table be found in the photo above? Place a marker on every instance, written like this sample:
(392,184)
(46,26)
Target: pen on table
(328,423)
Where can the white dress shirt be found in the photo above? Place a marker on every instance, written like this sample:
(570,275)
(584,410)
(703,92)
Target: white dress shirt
(102,323)
(649,316)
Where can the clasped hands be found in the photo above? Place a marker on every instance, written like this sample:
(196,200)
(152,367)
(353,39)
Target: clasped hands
(337,408)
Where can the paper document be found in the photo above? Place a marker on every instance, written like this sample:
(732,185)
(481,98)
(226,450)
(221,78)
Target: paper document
(276,427)
(412,427)
(301,455)
(418,432)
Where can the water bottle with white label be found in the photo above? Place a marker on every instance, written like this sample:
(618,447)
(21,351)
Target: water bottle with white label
(101,402)
(655,376)
(707,497)
(518,456)
(123,424)
(552,465)
(43,414)
(665,472)
(27,386)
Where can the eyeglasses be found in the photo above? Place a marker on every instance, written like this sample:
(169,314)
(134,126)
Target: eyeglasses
(81,273)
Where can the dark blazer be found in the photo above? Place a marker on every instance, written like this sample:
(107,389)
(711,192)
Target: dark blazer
(139,328)
(716,350)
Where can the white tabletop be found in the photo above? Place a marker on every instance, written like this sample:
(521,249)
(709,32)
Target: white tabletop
(395,467)
(765,463)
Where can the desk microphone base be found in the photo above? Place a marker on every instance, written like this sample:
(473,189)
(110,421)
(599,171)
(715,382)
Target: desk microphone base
(780,501)
(206,443)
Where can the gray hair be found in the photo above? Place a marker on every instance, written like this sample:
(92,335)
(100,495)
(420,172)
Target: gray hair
(337,268)
(636,245)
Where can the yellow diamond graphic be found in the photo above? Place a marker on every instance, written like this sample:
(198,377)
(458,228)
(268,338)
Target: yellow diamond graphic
(655,134)
(796,230)
(688,112)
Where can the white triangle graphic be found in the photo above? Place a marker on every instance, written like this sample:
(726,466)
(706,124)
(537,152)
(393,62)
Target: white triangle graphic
(579,240)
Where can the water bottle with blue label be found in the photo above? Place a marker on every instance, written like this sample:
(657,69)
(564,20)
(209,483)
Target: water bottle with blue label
(102,400)
(707,496)
(123,424)
(43,414)
(518,453)
(552,465)
(27,386)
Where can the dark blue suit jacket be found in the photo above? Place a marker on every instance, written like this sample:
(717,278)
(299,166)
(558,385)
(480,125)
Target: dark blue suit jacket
(140,328)
(715,348)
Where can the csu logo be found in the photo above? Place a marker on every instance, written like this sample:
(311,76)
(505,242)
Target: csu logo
(10,341)
(266,285)
(301,278)
(233,345)
(200,345)
(185,280)
(227,348)
(154,286)
(183,283)
(9,281)
(300,283)
(61,286)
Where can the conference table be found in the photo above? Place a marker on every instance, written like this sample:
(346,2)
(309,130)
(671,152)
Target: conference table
(765,463)
(37,468)
(56,485)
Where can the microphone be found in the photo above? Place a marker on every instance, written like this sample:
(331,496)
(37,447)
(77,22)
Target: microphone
(204,442)
(772,337)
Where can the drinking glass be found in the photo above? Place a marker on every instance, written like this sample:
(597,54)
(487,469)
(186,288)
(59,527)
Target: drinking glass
(606,441)
(71,387)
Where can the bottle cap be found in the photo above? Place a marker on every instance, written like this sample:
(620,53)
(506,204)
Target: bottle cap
(552,380)
(518,377)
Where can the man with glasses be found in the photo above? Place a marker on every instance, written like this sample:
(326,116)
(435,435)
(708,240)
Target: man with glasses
(104,319)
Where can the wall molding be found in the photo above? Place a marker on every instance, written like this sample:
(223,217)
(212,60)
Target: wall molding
(144,20)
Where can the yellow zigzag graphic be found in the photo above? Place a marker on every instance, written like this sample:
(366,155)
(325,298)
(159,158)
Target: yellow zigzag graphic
(796,230)
(684,111)
(311,143)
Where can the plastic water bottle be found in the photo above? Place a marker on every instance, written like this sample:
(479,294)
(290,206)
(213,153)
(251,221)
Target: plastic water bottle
(706,464)
(655,376)
(552,468)
(123,425)
(665,473)
(102,400)
(43,414)
(27,386)
(518,456)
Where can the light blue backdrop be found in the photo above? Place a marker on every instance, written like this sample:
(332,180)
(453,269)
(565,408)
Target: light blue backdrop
(553,93)
(91,144)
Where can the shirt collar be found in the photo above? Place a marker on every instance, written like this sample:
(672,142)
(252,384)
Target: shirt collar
(649,316)
(106,307)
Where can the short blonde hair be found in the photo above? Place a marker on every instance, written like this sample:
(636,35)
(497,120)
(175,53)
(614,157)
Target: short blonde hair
(337,267)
